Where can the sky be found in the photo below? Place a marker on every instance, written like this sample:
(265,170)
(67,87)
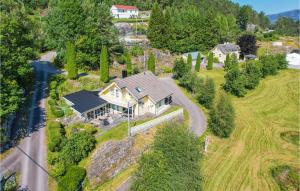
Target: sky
(271,6)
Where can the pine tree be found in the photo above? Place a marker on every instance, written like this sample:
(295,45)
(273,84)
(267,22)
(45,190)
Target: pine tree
(151,63)
(156,27)
(128,65)
(71,64)
(210,61)
(227,63)
(190,61)
(222,117)
(198,62)
(104,68)
(167,33)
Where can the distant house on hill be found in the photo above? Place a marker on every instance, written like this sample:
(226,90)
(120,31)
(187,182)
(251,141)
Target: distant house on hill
(222,50)
(124,11)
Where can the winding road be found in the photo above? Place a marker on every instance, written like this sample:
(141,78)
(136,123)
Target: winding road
(29,157)
(198,120)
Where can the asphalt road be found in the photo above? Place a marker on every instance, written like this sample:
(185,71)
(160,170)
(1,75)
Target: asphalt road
(29,157)
(198,120)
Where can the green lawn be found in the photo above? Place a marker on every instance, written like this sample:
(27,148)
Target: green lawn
(244,161)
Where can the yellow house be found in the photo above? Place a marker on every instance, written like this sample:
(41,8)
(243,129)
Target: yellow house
(135,96)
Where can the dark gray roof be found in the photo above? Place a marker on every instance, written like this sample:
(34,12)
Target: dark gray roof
(144,84)
(228,48)
(84,100)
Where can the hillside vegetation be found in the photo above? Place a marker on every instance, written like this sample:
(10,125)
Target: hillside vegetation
(244,161)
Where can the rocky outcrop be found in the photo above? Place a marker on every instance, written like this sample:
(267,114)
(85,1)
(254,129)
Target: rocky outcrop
(109,159)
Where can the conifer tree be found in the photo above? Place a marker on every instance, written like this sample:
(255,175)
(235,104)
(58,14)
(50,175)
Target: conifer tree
(210,61)
(227,63)
(222,117)
(208,92)
(190,61)
(156,27)
(167,33)
(198,62)
(151,63)
(104,68)
(71,63)
(128,65)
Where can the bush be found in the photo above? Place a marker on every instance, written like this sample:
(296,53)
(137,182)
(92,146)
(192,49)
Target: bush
(53,157)
(235,82)
(252,72)
(72,179)
(282,63)
(166,69)
(56,136)
(180,68)
(136,51)
(222,117)
(269,65)
(58,169)
(121,59)
(173,163)
(207,94)
(78,147)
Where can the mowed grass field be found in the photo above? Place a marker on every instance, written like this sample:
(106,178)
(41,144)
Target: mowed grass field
(243,161)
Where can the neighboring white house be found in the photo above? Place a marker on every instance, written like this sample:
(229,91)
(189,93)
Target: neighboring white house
(222,50)
(124,11)
(141,94)
(293,59)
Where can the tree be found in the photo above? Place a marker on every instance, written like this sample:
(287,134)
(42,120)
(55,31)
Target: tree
(155,27)
(72,179)
(180,68)
(18,45)
(222,117)
(190,61)
(252,72)
(172,164)
(207,93)
(269,65)
(151,63)
(243,17)
(287,26)
(104,67)
(227,28)
(230,62)
(128,65)
(210,61)
(198,62)
(71,63)
(281,61)
(247,43)
(235,82)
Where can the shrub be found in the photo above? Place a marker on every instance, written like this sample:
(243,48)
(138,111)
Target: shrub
(136,51)
(166,69)
(222,117)
(56,136)
(78,147)
(269,65)
(173,163)
(72,179)
(151,63)
(235,82)
(207,93)
(53,157)
(210,61)
(252,72)
(121,59)
(58,169)
(180,68)
(282,63)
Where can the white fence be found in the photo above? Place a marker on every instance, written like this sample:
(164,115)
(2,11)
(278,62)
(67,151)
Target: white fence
(147,125)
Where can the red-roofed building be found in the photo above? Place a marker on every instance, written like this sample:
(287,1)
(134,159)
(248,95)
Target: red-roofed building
(124,11)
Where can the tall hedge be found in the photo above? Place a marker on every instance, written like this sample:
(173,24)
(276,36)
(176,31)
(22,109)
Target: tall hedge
(198,62)
(210,61)
(71,62)
(151,63)
(128,65)
(104,68)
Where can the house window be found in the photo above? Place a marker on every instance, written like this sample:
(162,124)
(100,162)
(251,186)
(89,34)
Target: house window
(141,103)
(112,92)
(117,93)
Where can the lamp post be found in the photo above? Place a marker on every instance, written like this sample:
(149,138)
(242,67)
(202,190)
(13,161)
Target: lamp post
(128,119)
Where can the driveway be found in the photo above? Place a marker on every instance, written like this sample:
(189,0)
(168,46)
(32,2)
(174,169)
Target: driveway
(197,117)
(29,157)
(198,120)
